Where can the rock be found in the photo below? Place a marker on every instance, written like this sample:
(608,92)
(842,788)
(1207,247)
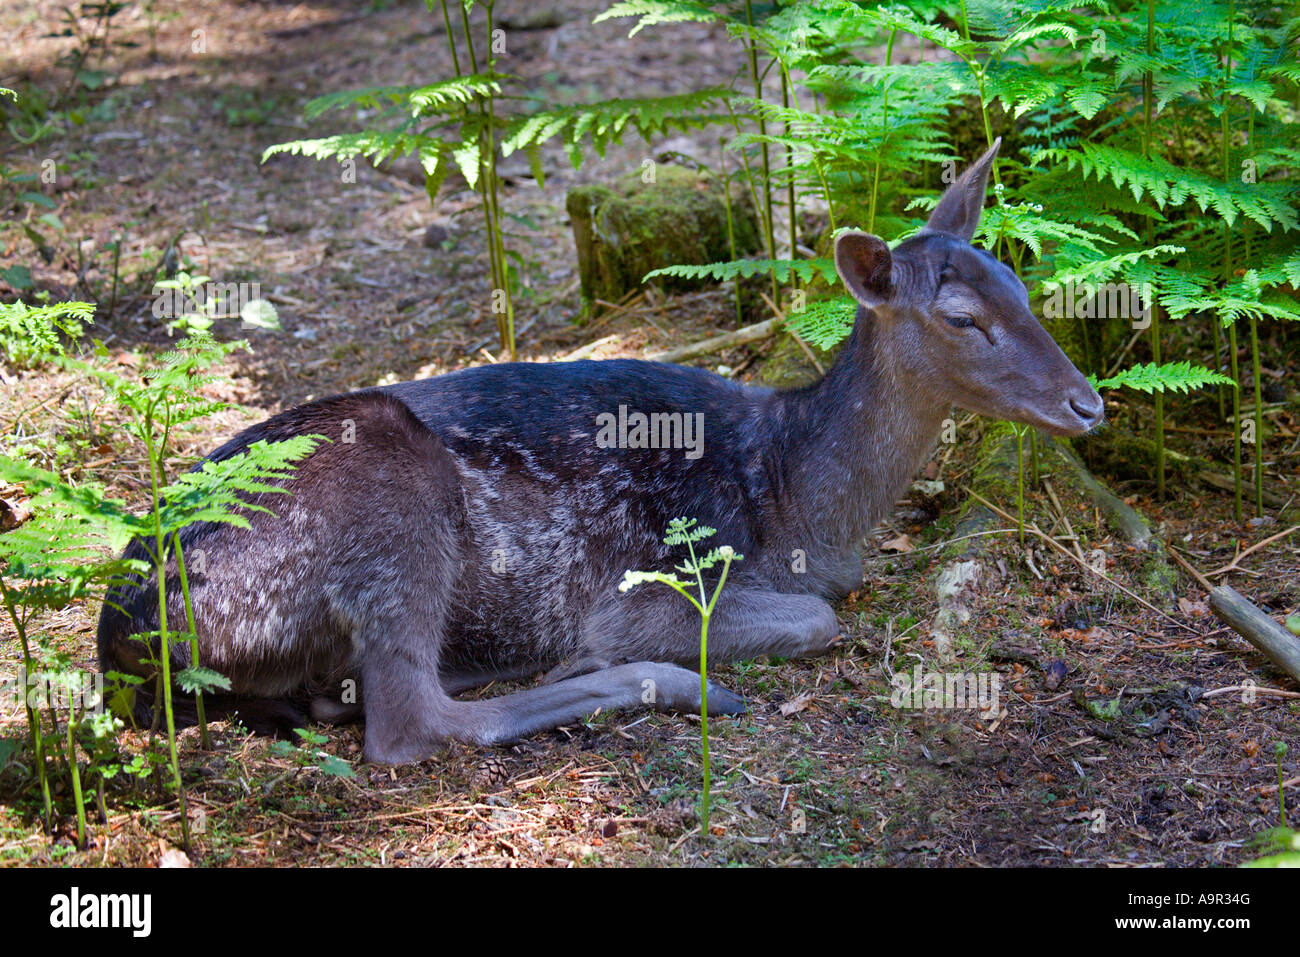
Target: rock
(435,236)
(173,857)
(956,588)
(625,231)
(538,18)
(13,514)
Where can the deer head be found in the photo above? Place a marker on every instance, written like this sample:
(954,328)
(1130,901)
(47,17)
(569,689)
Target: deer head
(954,323)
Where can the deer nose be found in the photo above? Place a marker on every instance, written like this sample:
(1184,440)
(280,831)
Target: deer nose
(1089,407)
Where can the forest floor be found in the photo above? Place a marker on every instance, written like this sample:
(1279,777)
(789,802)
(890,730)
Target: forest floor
(823,769)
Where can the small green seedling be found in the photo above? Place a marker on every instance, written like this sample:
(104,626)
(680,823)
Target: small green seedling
(1281,840)
(684,531)
(309,755)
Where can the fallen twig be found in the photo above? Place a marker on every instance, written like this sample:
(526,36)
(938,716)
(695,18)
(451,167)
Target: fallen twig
(739,337)
(1035,530)
(589,348)
(1278,644)
(1232,565)
(1204,582)
(776,311)
(1232,689)
(1288,783)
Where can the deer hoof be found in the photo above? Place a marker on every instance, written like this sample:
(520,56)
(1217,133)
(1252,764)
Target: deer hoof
(722,701)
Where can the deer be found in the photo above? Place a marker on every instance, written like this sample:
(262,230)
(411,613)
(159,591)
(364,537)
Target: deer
(473,530)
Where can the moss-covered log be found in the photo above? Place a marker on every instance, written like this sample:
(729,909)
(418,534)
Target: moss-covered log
(625,231)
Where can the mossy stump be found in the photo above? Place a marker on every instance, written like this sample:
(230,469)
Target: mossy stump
(787,365)
(679,217)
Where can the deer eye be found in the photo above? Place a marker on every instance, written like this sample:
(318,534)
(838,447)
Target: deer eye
(959,321)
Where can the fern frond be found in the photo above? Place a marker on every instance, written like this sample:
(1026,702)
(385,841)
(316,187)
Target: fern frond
(437,97)
(655,12)
(35,333)
(825,322)
(372,97)
(225,491)
(1104,269)
(1265,203)
(1170,377)
(605,122)
(782,269)
(377,146)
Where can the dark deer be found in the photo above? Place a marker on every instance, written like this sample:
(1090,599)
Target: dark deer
(476,530)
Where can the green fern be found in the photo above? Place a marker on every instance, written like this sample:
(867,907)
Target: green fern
(1265,203)
(656,12)
(31,335)
(782,269)
(1170,377)
(427,100)
(824,323)
(604,122)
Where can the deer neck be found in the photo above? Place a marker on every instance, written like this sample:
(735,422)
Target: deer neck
(851,442)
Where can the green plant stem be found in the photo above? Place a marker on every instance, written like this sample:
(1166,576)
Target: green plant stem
(1259,418)
(1148,95)
(1254,365)
(875,176)
(75,769)
(826,191)
(978,69)
(1218,367)
(705,607)
(155,452)
(204,739)
(469,37)
(789,171)
(451,40)
(704,723)
(488,185)
(1236,431)
(1225,134)
(117,259)
(731,230)
(1020,482)
(494,188)
(33,716)
(751,46)
(750,177)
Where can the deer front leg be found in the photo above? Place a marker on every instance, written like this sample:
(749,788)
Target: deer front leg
(409,713)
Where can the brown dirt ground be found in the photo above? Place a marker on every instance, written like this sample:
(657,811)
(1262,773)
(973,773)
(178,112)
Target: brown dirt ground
(822,770)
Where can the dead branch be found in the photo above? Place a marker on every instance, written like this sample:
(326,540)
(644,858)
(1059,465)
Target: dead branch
(1259,629)
(738,337)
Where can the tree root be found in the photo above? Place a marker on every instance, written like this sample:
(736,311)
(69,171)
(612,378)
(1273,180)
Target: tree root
(993,480)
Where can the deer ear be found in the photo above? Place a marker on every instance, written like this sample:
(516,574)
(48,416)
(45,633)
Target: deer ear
(958,212)
(864,263)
